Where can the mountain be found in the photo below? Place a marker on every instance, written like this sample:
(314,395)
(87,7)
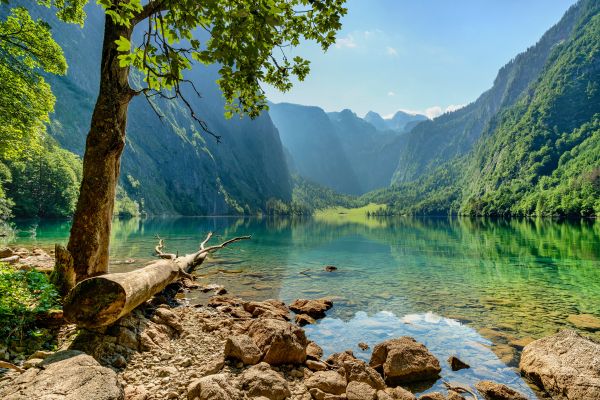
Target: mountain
(539,154)
(170,166)
(338,150)
(373,153)
(400,122)
(315,149)
(452,135)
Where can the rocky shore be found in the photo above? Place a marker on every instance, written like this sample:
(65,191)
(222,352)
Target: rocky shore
(233,349)
(230,349)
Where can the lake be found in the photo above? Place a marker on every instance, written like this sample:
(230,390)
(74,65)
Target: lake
(476,288)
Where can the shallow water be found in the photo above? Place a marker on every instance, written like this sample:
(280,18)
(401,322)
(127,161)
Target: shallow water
(505,281)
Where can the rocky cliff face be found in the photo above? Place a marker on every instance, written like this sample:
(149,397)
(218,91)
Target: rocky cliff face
(170,166)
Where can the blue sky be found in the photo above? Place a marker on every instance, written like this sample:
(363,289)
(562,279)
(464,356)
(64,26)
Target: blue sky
(419,55)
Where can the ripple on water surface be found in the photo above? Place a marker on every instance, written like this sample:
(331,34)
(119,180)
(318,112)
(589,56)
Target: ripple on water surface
(443,337)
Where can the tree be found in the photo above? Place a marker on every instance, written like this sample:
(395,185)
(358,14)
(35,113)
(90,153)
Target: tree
(246,38)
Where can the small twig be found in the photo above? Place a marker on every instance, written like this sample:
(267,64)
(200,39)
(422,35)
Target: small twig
(305,272)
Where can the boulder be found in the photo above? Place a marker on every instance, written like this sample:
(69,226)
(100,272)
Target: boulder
(242,348)
(566,365)
(261,380)
(69,375)
(212,387)
(280,341)
(267,309)
(313,308)
(327,381)
(496,391)
(357,370)
(360,391)
(457,364)
(404,360)
(452,395)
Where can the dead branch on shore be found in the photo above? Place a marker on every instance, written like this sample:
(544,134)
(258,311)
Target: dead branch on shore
(7,365)
(102,300)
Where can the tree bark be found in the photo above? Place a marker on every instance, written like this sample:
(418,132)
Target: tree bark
(102,300)
(90,232)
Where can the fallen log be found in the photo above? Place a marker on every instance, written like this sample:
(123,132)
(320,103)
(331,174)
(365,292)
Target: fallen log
(99,301)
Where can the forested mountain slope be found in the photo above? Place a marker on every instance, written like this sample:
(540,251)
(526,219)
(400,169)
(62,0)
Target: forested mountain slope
(538,156)
(452,135)
(170,166)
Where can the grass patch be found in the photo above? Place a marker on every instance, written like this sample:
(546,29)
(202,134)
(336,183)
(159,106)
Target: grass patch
(360,215)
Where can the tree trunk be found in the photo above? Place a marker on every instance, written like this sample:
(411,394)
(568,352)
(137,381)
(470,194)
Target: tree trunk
(102,300)
(90,232)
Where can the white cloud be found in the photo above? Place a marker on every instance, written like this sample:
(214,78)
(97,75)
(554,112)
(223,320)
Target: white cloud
(390,51)
(436,111)
(391,94)
(346,42)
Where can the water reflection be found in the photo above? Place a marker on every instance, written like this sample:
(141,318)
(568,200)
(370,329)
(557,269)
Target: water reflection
(443,337)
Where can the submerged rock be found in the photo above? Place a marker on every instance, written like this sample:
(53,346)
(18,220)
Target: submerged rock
(71,375)
(313,308)
(404,360)
(586,322)
(566,365)
(496,391)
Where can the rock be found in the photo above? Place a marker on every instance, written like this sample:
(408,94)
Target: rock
(314,351)
(360,391)
(363,346)
(280,341)
(496,391)
(456,364)
(566,365)
(586,322)
(521,343)
(6,252)
(303,319)
(261,380)
(167,371)
(404,360)
(267,309)
(396,393)
(357,370)
(212,387)
(327,381)
(452,395)
(10,260)
(66,372)
(242,348)
(432,396)
(43,354)
(330,268)
(167,317)
(136,393)
(314,365)
(314,308)
(32,362)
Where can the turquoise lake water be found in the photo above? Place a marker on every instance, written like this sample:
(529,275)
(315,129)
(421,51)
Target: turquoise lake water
(478,289)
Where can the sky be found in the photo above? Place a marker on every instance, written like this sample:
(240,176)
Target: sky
(426,56)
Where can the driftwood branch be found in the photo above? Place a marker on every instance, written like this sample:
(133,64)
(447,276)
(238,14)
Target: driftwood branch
(460,389)
(7,365)
(99,301)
